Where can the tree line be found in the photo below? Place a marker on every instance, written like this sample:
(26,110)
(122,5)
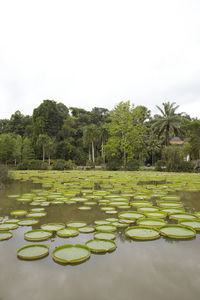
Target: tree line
(125,137)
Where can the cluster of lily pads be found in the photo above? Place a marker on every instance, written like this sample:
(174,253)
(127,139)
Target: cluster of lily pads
(146,205)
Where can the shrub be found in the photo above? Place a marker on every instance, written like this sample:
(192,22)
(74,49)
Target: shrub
(59,164)
(159,165)
(133,165)
(113,164)
(32,165)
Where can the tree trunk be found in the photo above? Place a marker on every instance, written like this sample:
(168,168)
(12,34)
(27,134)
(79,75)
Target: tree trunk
(124,157)
(49,160)
(93,159)
(43,150)
(167,135)
(89,153)
(102,152)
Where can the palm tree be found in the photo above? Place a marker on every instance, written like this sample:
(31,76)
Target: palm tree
(168,123)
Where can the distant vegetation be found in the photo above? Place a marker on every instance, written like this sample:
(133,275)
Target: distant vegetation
(3,175)
(126,137)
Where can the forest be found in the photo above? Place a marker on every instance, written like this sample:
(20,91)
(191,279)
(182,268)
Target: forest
(128,138)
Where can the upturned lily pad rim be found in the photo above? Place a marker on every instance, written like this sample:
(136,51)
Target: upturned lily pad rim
(75,232)
(46,252)
(175,235)
(52,224)
(153,220)
(9,227)
(181,222)
(95,250)
(76,222)
(86,229)
(156,236)
(99,233)
(133,215)
(109,228)
(73,261)
(48,235)
(8,233)
(172,216)
(18,212)
(31,222)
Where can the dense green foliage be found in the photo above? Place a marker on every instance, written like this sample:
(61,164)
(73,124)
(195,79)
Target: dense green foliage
(127,137)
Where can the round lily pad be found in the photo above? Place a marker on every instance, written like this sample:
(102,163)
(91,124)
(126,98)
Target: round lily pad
(99,246)
(102,222)
(35,214)
(148,209)
(67,232)
(172,210)
(195,224)
(33,252)
(182,216)
(169,204)
(19,212)
(177,231)
(106,228)
(8,226)
(38,209)
(71,254)
(156,214)
(15,221)
(53,226)
(76,224)
(86,229)
(142,233)
(132,215)
(28,222)
(152,222)
(104,236)
(5,235)
(37,235)
(84,208)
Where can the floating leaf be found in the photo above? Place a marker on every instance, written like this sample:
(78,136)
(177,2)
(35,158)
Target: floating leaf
(142,233)
(71,254)
(37,235)
(33,252)
(98,246)
(177,231)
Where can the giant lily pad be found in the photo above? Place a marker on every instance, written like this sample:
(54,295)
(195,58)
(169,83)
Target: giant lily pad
(142,233)
(5,235)
(76,224)
(104,236)
(67,232)
(177,231)
(182,216)
(152,222)
(71,254)
(19,212)
(28,222)
(37,235)
(132,215)
(8,226)
(106,228)
(33,252)
(86,229)
(53,226)
(35,214)
(195,224)
(99,246)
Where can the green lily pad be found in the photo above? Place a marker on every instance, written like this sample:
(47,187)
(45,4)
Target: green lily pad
(195,224)
(148,209)
(104,236)
(152,222)
(76,224)
(132,215)
(53,226)
(15,221)
(71,254)
(172,210)
(5,235)
(84,208)
(86,229)
(19,212)
(106,228)
(102,222)
(8,226)
(33,252)
(36,214)
(28,222)
(156,214)
(142,233)
(141,203)
(177,231)
(37,235)
(182,216)
(101,246)
(169,204)
(67,232)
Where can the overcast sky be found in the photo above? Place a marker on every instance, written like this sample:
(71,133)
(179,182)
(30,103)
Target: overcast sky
(88,53)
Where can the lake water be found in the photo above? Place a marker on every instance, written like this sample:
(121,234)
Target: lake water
(159,269)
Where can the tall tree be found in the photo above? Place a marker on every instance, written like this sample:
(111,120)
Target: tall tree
(169,122)
(43,141)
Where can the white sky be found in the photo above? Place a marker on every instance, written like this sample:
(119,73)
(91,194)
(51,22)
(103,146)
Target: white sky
(88,53)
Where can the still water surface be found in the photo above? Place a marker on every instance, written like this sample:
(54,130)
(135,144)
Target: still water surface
(159,269)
